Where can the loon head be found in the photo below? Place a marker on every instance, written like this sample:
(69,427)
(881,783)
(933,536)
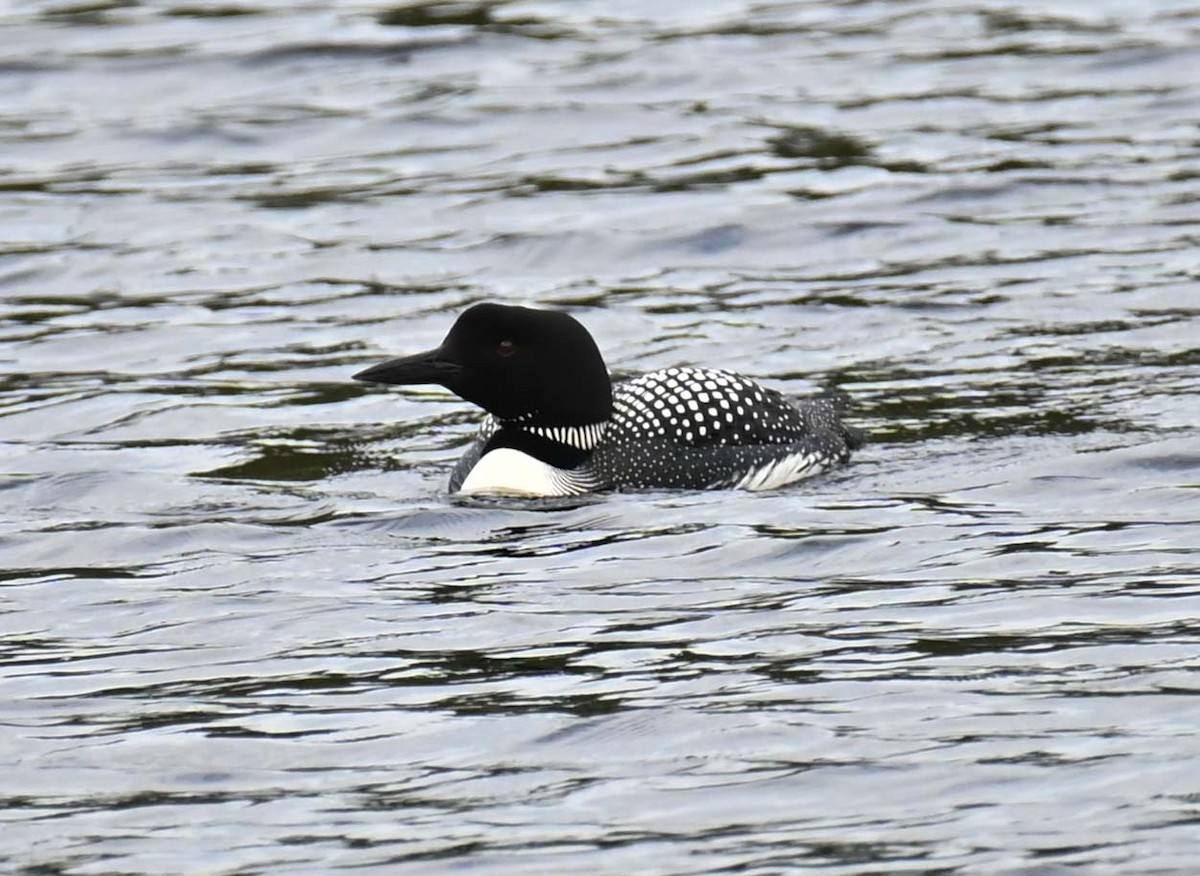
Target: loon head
(536,367)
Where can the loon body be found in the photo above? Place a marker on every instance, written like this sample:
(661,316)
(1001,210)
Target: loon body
(557,426)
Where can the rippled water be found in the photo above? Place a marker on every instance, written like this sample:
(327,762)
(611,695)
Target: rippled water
(244,630)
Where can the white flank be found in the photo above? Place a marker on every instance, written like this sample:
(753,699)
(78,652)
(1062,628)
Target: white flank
(508,472)
(783,471)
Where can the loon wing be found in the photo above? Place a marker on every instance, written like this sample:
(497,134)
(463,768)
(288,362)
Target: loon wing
(697,428)
(642,465)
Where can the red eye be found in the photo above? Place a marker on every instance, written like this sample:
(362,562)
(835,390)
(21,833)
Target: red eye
(505,349)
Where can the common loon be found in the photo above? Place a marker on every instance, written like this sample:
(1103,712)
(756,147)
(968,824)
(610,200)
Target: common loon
(558,427)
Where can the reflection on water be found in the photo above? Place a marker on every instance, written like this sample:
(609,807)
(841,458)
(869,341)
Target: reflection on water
(243,630)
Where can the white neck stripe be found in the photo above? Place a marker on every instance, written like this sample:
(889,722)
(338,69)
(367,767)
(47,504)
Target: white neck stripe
(580,437)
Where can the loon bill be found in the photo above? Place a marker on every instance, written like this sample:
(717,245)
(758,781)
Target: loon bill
(557,426)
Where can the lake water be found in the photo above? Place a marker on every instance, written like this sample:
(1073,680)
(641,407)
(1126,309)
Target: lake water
(245,631)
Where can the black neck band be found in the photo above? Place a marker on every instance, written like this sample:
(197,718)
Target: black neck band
(550,452)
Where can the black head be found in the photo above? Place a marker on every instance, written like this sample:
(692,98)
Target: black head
(518,364)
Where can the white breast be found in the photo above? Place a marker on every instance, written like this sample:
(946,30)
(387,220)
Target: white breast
(508,472)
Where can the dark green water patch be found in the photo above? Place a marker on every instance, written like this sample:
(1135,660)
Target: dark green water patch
(452,12)
(212,10)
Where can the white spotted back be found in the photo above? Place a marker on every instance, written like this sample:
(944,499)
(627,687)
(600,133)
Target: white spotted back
(702,407)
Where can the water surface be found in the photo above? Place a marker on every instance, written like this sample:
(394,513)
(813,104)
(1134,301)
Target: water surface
(245,631)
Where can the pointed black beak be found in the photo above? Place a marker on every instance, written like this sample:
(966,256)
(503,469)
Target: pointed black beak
(429,367)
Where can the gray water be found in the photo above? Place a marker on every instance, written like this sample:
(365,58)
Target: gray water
(245,631)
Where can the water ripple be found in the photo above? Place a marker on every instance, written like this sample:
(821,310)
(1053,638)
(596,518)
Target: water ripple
(244,630)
